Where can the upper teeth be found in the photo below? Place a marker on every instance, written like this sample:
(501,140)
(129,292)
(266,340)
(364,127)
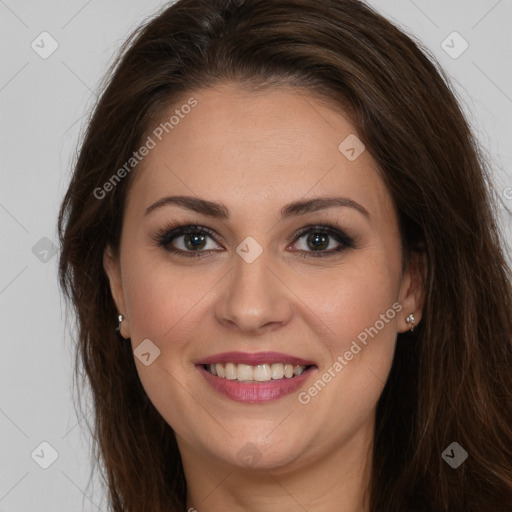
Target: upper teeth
(260,372)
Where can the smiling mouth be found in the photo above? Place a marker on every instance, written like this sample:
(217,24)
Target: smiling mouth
(256,373)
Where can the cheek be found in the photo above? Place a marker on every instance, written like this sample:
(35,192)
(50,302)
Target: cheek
(166,305)
(357,305)
(356,295)
(163,299)
(360,310)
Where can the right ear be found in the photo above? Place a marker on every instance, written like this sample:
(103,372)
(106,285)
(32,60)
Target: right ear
(112,267)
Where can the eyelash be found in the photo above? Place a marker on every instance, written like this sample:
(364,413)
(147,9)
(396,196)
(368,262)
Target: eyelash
(164,236)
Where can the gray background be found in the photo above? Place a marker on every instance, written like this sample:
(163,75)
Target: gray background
(42,103)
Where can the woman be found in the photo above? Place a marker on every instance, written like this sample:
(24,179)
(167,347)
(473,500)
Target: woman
(280,243)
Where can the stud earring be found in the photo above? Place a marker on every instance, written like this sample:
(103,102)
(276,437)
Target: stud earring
(410,320)
(119,320)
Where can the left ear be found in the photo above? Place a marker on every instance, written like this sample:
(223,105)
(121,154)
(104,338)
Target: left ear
(412,290)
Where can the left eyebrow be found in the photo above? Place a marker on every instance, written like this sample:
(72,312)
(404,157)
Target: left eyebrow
(320,203)
(220,211)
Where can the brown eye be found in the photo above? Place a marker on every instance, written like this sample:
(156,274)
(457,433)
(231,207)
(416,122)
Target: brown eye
(319,239)
(189,240)
(194,241)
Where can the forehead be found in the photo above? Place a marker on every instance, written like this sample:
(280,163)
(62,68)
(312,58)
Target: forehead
(246,148)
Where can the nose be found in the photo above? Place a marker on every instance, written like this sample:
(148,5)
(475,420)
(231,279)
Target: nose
(254,299)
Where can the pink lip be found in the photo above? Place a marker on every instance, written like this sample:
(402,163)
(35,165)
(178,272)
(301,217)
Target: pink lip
(255,392)
(254,358)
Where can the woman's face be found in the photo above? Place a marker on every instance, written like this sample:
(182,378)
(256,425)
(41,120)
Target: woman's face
(332,301)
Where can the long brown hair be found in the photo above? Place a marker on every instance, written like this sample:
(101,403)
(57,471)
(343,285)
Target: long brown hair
(451,378)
